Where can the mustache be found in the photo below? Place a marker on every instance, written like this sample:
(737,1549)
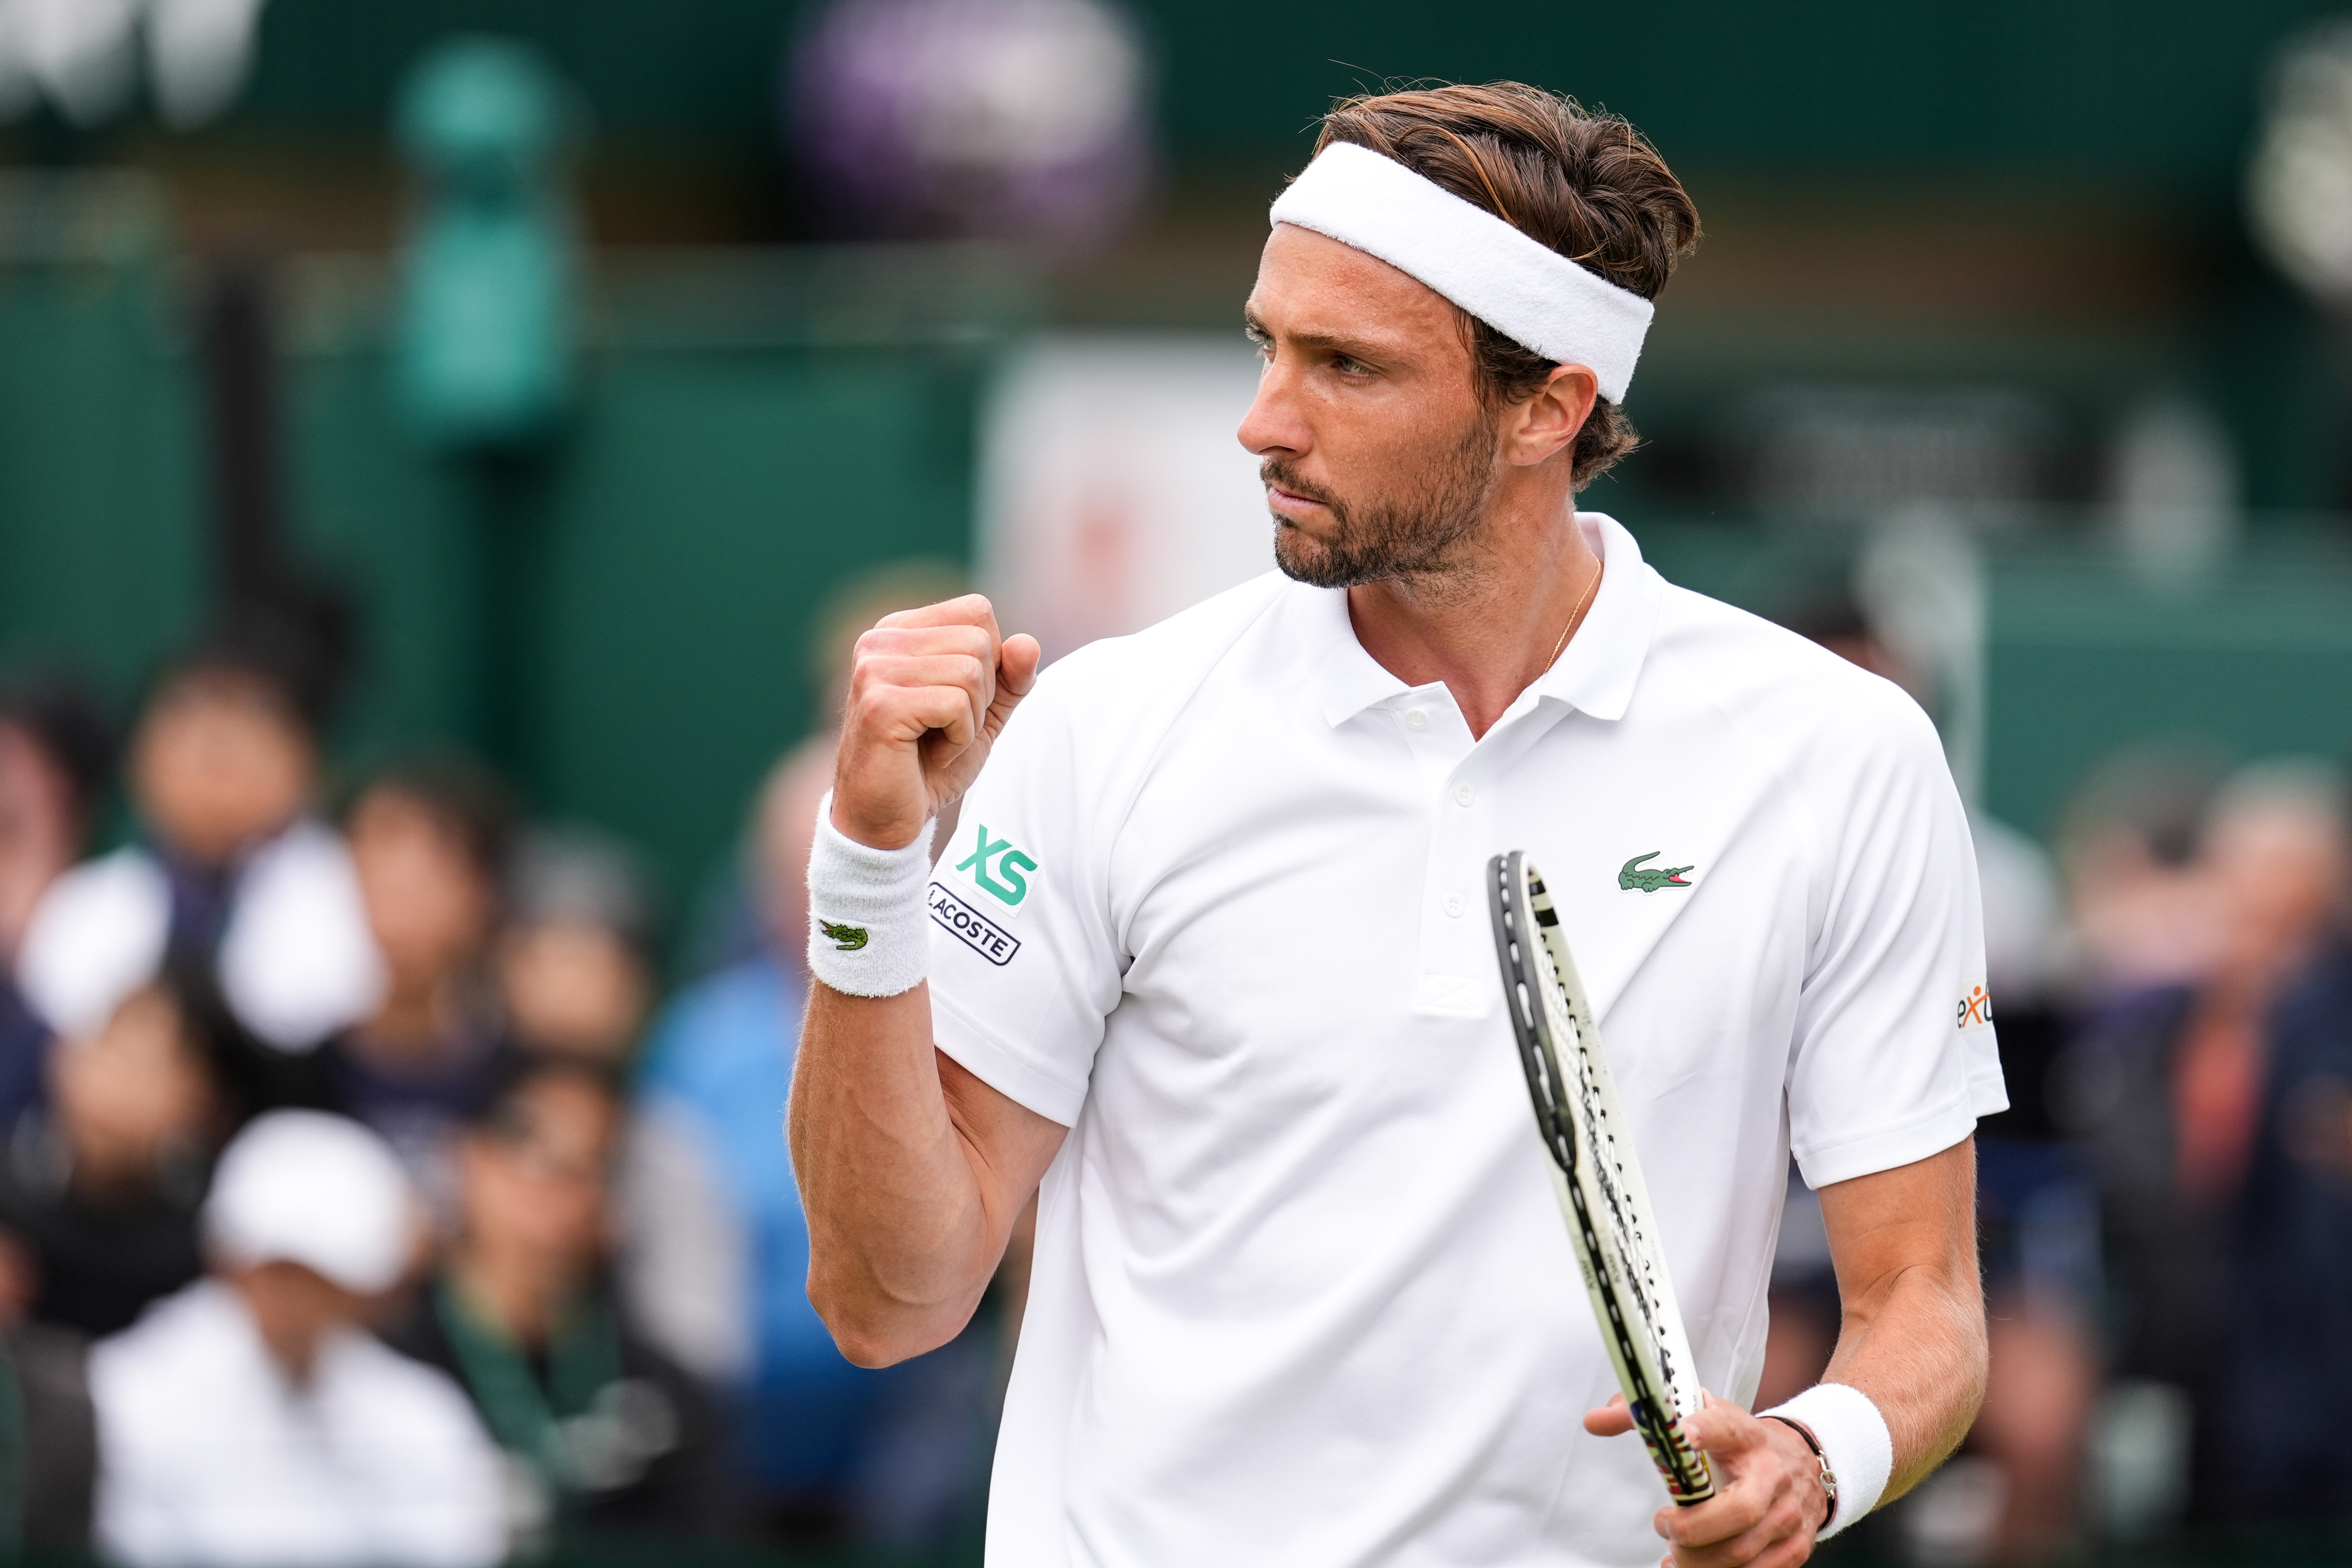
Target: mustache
(1276,471)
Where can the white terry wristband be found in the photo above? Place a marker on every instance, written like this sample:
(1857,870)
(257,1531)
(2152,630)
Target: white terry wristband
(869,933)
(1855,1441)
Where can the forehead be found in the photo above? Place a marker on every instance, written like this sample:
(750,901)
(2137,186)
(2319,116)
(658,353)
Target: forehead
(392,811)
(1310,285)
(567,1109)
(219,686)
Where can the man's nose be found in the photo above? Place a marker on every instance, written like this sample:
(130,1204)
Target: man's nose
(1272,424)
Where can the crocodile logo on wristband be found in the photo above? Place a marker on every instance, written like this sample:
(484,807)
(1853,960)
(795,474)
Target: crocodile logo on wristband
(845,938)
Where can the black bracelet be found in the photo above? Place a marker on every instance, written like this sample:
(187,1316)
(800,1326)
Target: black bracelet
(1828,1477)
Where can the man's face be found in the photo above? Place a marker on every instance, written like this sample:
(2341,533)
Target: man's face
(428,903)
(37,803)
(294,1309)
(1377,453)
(534,1191)
(219,764)
(573,986)
(2275,871)
(40,828)
(129,1094)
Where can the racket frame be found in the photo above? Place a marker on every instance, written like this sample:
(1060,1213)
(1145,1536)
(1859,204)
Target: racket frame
(1589,1146)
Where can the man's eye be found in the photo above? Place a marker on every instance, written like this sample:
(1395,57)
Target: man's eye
(1347,366)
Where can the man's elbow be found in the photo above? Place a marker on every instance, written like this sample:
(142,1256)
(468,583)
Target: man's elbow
(874,1334)
(872,1351)
(1979,1352)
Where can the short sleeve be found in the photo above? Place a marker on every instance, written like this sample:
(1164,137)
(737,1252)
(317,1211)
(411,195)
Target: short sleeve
(1024,966)
(1894,1058)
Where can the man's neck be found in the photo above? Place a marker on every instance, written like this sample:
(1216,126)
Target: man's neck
(1491,624)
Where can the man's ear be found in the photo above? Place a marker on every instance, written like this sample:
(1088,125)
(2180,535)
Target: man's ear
(1547,423)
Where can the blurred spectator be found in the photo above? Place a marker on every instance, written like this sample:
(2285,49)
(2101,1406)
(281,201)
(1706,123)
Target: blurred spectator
(55,756)
(2174,1087)
(718,1249)
(45,1375)
(2287,1360)
(573,961)
(232,874)
(251,1420)
(428,842)
(100,1189)
(2135,891)
(717,1260)
(615,1438)
(2038,1217)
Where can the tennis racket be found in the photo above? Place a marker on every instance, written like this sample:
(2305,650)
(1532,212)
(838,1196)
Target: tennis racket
(1595,1175)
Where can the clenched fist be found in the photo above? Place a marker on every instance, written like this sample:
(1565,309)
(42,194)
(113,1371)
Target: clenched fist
(929,690)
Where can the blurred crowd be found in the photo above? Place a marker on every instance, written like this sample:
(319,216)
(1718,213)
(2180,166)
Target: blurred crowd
(358,1204)
(2166,1208)
(361,1200)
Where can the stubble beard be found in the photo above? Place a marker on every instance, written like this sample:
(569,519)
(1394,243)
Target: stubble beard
(1418,539)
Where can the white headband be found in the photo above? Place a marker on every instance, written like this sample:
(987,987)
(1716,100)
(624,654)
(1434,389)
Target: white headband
(1517,285)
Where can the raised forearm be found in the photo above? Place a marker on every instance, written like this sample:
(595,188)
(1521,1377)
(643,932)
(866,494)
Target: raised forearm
(1913,1338)
(910,1169)
(902,1239)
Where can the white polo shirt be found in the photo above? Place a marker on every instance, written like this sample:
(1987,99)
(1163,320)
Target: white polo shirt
(1302,1293)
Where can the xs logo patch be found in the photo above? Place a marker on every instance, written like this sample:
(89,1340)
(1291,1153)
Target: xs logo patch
(1007,885)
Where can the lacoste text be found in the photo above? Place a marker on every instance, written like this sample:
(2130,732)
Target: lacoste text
(980,933)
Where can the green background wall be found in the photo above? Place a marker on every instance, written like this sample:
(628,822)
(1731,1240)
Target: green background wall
(747,438)
(2156,91)
(754,425)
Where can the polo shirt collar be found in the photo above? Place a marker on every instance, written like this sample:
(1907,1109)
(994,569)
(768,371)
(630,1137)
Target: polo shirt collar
(1595,675)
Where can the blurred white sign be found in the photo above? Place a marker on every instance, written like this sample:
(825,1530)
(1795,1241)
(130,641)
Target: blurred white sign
(82,56)
(1113,493)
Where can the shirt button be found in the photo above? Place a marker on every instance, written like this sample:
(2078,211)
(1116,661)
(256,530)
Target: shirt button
(1464,795)
(1453,905)
(1414,718)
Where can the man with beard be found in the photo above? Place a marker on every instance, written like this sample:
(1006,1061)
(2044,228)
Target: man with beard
(1206,966)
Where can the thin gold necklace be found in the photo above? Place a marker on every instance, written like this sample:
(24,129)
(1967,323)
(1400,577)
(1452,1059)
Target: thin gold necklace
(1572,614)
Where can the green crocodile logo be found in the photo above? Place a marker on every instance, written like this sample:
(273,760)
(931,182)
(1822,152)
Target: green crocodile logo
(847,938)
(1650,878)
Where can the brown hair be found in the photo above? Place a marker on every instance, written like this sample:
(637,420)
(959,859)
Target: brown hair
(459,795)
(1588,185)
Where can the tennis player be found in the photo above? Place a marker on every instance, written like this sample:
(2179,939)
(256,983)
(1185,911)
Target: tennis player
(1207,955)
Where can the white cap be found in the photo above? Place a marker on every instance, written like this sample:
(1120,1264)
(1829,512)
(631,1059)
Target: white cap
(303,1186)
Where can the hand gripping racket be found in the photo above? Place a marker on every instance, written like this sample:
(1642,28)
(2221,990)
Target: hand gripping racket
(1595,1175)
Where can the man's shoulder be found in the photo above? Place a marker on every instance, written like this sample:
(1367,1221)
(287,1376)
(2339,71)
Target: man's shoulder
(398,1392)
(1172,654)
(178,1352)
(1763,676)
(1110,698)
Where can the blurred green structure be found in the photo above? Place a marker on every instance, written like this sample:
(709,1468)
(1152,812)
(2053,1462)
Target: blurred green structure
(486,272)
(750,430)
